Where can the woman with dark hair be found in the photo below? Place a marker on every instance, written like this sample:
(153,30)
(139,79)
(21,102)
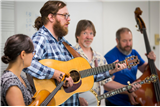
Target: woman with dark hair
(18,54)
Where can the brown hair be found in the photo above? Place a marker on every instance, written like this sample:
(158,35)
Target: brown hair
(83,25)
(50,7)
(122,30)
(15,45)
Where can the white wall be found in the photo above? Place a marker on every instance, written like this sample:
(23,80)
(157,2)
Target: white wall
(7,27)
(90,11)
(26,13)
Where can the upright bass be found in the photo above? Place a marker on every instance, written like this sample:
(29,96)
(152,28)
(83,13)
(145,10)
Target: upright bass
(148,94)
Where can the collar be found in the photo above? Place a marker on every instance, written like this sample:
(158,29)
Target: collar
(80,50)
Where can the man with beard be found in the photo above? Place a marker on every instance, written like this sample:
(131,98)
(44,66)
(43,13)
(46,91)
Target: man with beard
(85,33)
(120,52)
(52,26)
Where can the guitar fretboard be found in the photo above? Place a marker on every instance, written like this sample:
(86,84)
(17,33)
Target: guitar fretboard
(117,91)
(97,70)
(49,98)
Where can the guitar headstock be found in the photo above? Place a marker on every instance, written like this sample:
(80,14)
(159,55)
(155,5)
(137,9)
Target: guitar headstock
(132,61)
(139,20)
(152,78)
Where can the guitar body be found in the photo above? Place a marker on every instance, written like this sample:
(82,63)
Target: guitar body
(73,67)
(146,94)
(39,97)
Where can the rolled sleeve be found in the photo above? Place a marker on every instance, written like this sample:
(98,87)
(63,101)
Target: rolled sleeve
(39,71)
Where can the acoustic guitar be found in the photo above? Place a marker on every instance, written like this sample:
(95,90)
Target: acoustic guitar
(81,73)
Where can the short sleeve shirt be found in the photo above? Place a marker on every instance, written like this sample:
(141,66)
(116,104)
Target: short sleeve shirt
(128,74)
(8,80)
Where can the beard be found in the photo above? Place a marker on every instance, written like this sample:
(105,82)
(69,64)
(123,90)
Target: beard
(60,30)
(123,50)
(85,44)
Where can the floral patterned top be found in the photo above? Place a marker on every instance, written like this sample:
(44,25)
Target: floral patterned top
(8,79)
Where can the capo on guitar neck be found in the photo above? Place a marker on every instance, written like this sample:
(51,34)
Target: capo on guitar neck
(64,76)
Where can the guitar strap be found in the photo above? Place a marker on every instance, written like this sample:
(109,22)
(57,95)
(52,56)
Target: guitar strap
(71,50)
(76,54)
(96,63)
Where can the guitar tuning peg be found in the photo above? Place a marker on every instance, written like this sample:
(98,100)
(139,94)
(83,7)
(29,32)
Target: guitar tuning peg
(138,30)
(136,25)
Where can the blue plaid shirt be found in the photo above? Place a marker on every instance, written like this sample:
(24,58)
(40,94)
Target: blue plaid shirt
(47,47)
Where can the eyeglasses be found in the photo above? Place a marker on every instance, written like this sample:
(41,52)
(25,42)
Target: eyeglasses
(65,15)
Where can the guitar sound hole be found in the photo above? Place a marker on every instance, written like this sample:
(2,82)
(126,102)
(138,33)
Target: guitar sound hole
(75,75)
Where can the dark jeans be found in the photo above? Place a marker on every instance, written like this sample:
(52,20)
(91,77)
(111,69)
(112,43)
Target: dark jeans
(108,103)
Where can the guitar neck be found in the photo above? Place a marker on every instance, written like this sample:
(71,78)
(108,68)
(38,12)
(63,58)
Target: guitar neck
(49,98)
(117,91)
(100,69)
